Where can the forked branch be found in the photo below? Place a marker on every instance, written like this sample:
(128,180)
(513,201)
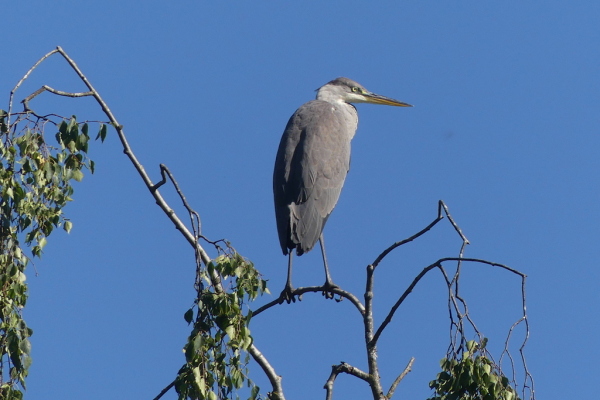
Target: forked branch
(347,369)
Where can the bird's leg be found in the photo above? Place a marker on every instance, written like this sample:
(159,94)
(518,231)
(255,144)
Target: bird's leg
(287,292)
(329,285)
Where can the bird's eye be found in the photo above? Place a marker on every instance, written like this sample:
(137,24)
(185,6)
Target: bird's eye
(355,89)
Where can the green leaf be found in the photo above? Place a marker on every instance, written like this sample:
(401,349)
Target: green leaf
(230,331)
(62,128)
(72,124)
(82,142)
(77,175)
(36,251)
(192,347)
(254,392)
(199,381)
(189,315)
(68,226)
(471,346)
(25,346)
(72,146)
(101,132)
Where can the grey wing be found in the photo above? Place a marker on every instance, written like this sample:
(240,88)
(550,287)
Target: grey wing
(310,169)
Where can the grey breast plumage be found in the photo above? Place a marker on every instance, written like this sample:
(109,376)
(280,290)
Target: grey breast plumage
(311,165)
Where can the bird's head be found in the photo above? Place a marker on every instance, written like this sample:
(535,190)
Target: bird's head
(349,91)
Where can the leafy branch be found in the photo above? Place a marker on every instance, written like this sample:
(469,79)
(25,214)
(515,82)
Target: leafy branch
(472,376)
(215,365)
(35,186)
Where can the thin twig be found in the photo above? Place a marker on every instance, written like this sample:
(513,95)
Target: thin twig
(399,378)
(455,283)
(194,216)
(44,88)
(528,379)
(390,315)
(481,261)
(410,239)
(437,264)
(165,390)
(12,92)
(456,227)
(455,350)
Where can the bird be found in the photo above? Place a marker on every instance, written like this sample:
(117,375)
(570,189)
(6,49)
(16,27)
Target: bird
(311,165)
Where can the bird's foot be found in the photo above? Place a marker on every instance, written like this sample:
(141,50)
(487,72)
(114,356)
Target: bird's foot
(287,295)
(328,288)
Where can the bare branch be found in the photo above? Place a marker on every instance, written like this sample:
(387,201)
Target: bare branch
(481,261)
(345,368)
(370,337)
(165,390)
(315,289)
(277,393)
(194,216)
(179,225)
(44,88)
(368,320)
(407,369)
(12,92)
(410,239)
(456,228)
(371,347)
(441,206)
(437,264)
(388,319)
(528,382)
(528,379)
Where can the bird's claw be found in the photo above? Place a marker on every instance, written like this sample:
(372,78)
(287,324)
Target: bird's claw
(287,295)
(328,288)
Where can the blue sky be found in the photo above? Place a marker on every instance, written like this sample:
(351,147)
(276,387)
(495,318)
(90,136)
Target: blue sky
(505,130)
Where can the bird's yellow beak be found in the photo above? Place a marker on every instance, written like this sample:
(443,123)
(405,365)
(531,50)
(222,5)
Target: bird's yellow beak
(378,99)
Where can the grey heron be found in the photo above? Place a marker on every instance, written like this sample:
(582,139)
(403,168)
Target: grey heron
(311,165)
